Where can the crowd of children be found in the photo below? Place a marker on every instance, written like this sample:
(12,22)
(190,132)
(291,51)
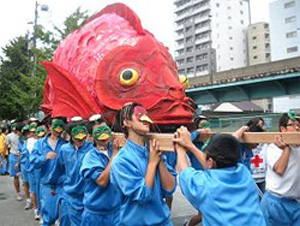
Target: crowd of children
(74,173)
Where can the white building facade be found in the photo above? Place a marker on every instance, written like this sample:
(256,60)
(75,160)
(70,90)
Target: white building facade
(210,35)
(285,42)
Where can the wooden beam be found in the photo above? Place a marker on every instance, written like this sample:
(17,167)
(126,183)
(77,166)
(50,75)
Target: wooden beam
(269,137)
(166,139)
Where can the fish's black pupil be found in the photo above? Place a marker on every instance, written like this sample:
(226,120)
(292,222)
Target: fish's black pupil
(127,75)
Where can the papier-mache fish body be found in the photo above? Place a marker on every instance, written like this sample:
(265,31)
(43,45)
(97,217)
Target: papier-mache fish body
(110,61)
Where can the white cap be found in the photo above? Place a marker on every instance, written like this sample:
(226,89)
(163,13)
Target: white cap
(76,119)
(95,117)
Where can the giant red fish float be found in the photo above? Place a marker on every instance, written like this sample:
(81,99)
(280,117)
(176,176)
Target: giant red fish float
(110,61)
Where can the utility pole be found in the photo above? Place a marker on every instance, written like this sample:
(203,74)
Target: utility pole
(34,38)
(35,25)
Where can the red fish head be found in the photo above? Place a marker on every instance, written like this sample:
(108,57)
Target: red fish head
(110,61)
(145,74)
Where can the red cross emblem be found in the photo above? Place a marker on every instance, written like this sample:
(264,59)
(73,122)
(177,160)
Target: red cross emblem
(256,161)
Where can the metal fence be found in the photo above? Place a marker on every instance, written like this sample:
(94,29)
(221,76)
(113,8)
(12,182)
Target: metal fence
(232,123)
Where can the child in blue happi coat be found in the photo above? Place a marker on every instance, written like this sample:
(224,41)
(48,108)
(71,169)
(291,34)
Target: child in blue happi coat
(141,173)
(68,162)
(101,199)
(44,154)
(225,192)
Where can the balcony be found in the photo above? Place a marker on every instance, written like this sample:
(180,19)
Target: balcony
(202,40)
(186,5)
(201,9)
(178,37)
(201,19)
(179,46)
(201,29)
(178,27)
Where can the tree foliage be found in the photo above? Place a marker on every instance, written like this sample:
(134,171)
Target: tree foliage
(22,81)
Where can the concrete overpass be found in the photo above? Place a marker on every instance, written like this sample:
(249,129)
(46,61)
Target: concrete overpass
(272,79)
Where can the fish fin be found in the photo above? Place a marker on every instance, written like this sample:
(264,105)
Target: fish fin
(123,11)
(65,96)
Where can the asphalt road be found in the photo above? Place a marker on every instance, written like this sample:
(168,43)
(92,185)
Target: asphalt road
(12,212)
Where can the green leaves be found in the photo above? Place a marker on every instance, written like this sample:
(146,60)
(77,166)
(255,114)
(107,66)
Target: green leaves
(22,81)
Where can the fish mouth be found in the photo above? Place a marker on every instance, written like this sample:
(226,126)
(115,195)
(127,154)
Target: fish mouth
(173,111)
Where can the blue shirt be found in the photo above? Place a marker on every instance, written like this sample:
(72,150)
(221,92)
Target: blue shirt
(23,157)
(140,205)
(199,144)
(103,200)
(226,196)
(40,162)
(68,163)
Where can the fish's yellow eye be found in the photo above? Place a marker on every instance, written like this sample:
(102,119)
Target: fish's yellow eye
(129,77)
(184,81)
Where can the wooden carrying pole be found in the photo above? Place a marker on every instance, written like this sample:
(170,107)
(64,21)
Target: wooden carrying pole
(166,139)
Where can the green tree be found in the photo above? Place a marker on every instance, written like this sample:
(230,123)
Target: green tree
(73,22)
(22,81)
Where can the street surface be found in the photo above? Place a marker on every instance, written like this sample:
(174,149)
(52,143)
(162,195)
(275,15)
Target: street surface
(12,212)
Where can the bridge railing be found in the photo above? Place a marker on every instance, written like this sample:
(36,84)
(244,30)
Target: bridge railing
(245,73)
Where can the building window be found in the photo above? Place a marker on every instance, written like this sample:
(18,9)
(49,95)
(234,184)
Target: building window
(229,27)
(267,45)
(229,18)
(230,38)
(254,57)
(292,49)
(190,70)
(254,47)
(189,49)
(201,57)
(187,29)
(254,27)
(289,4)
(182,71)
(190,60)
(292,34)
(241,12)
(290,19)
(229,7)
(241,3)
(242,22)
(266,26)
(202,68)
(218,5)
(267,55)
(254,37)
(180,62)
(231,48)
(231,58)
(267,36)
(189,39)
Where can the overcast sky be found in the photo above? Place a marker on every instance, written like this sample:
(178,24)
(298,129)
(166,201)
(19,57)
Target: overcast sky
(156,15)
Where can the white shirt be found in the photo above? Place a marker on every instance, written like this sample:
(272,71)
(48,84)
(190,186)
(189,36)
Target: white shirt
(12,139)
(30,144)
(287,185)
(258,163)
